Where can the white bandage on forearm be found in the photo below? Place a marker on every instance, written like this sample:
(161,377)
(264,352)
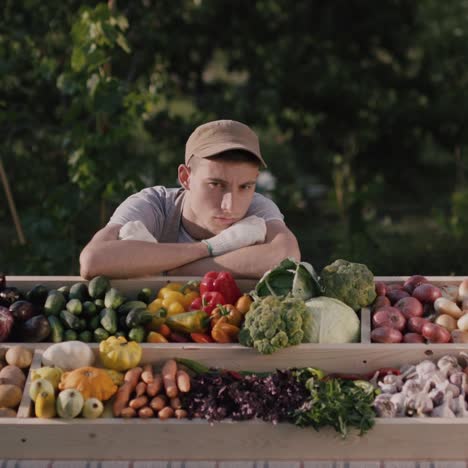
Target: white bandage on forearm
(135,230)
(247,231)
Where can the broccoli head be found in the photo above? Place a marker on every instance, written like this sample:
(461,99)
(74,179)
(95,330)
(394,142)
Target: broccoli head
(351,283)
(274,322)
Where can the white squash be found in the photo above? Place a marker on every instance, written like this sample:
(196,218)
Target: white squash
(68,355)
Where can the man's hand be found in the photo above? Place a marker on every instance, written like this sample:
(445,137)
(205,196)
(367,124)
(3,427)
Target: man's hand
(247,231)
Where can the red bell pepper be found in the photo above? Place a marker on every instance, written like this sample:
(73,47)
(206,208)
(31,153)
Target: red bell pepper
(222,282)
(208,302)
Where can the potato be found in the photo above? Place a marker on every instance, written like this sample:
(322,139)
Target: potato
(386,335)
(446,321)
(447,307)
(7,413)
(427,293)
(396,294)
(413,338)
(10,396)
(413,282)
(435,333)
(410,307)
(389,317)
(12,375)
(415,324)
(19,356)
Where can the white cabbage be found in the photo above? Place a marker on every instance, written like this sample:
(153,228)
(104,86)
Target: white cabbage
(331,321)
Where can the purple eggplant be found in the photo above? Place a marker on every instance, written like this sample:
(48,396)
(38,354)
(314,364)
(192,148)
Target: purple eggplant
(22,310)
(35,329)
(9,295)
(6,323)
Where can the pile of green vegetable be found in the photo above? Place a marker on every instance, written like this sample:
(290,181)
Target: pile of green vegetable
(293,305)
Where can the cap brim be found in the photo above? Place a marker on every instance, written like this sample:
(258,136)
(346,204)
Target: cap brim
(214,150)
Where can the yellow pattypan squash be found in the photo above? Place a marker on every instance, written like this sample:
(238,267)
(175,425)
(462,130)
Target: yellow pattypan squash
(119,354)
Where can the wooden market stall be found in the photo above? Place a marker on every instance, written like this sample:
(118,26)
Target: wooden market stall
(113,439)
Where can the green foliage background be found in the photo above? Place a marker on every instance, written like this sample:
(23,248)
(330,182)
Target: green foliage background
(360,107)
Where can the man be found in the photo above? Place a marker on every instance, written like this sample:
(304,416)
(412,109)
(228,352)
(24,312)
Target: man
(215,221)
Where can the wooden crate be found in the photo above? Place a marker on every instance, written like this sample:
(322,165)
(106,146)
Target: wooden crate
(390,439)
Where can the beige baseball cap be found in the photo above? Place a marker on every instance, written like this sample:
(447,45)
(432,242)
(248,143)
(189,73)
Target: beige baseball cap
(218,136)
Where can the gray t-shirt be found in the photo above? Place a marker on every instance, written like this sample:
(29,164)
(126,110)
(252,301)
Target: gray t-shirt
(153,205)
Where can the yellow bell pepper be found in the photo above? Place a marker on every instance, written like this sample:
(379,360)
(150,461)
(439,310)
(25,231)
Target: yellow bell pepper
(168,288)
(155,337)
(175,298)
(119,354)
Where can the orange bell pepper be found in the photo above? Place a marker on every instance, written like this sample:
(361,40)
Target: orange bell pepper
(224,332)
(243,303)
(228,311)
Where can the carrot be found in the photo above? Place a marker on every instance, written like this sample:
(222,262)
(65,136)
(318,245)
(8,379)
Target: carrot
(139,402)
(169,371)
(147,375)
(125,390)
(180,413)
(128,413)
(166,413)
(133,375)
(183,381)
(140,389)
(153,388)
(145,412)
(158,402)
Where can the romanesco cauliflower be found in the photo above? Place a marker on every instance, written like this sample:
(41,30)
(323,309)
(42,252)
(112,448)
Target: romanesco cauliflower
(274,322)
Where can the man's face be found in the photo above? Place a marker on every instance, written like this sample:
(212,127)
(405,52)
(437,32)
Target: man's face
(219,194)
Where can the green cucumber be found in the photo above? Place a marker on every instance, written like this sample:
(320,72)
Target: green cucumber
(56,329)
(108,320)
(69,320)
(54,303)
(98,287)
(113,299)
